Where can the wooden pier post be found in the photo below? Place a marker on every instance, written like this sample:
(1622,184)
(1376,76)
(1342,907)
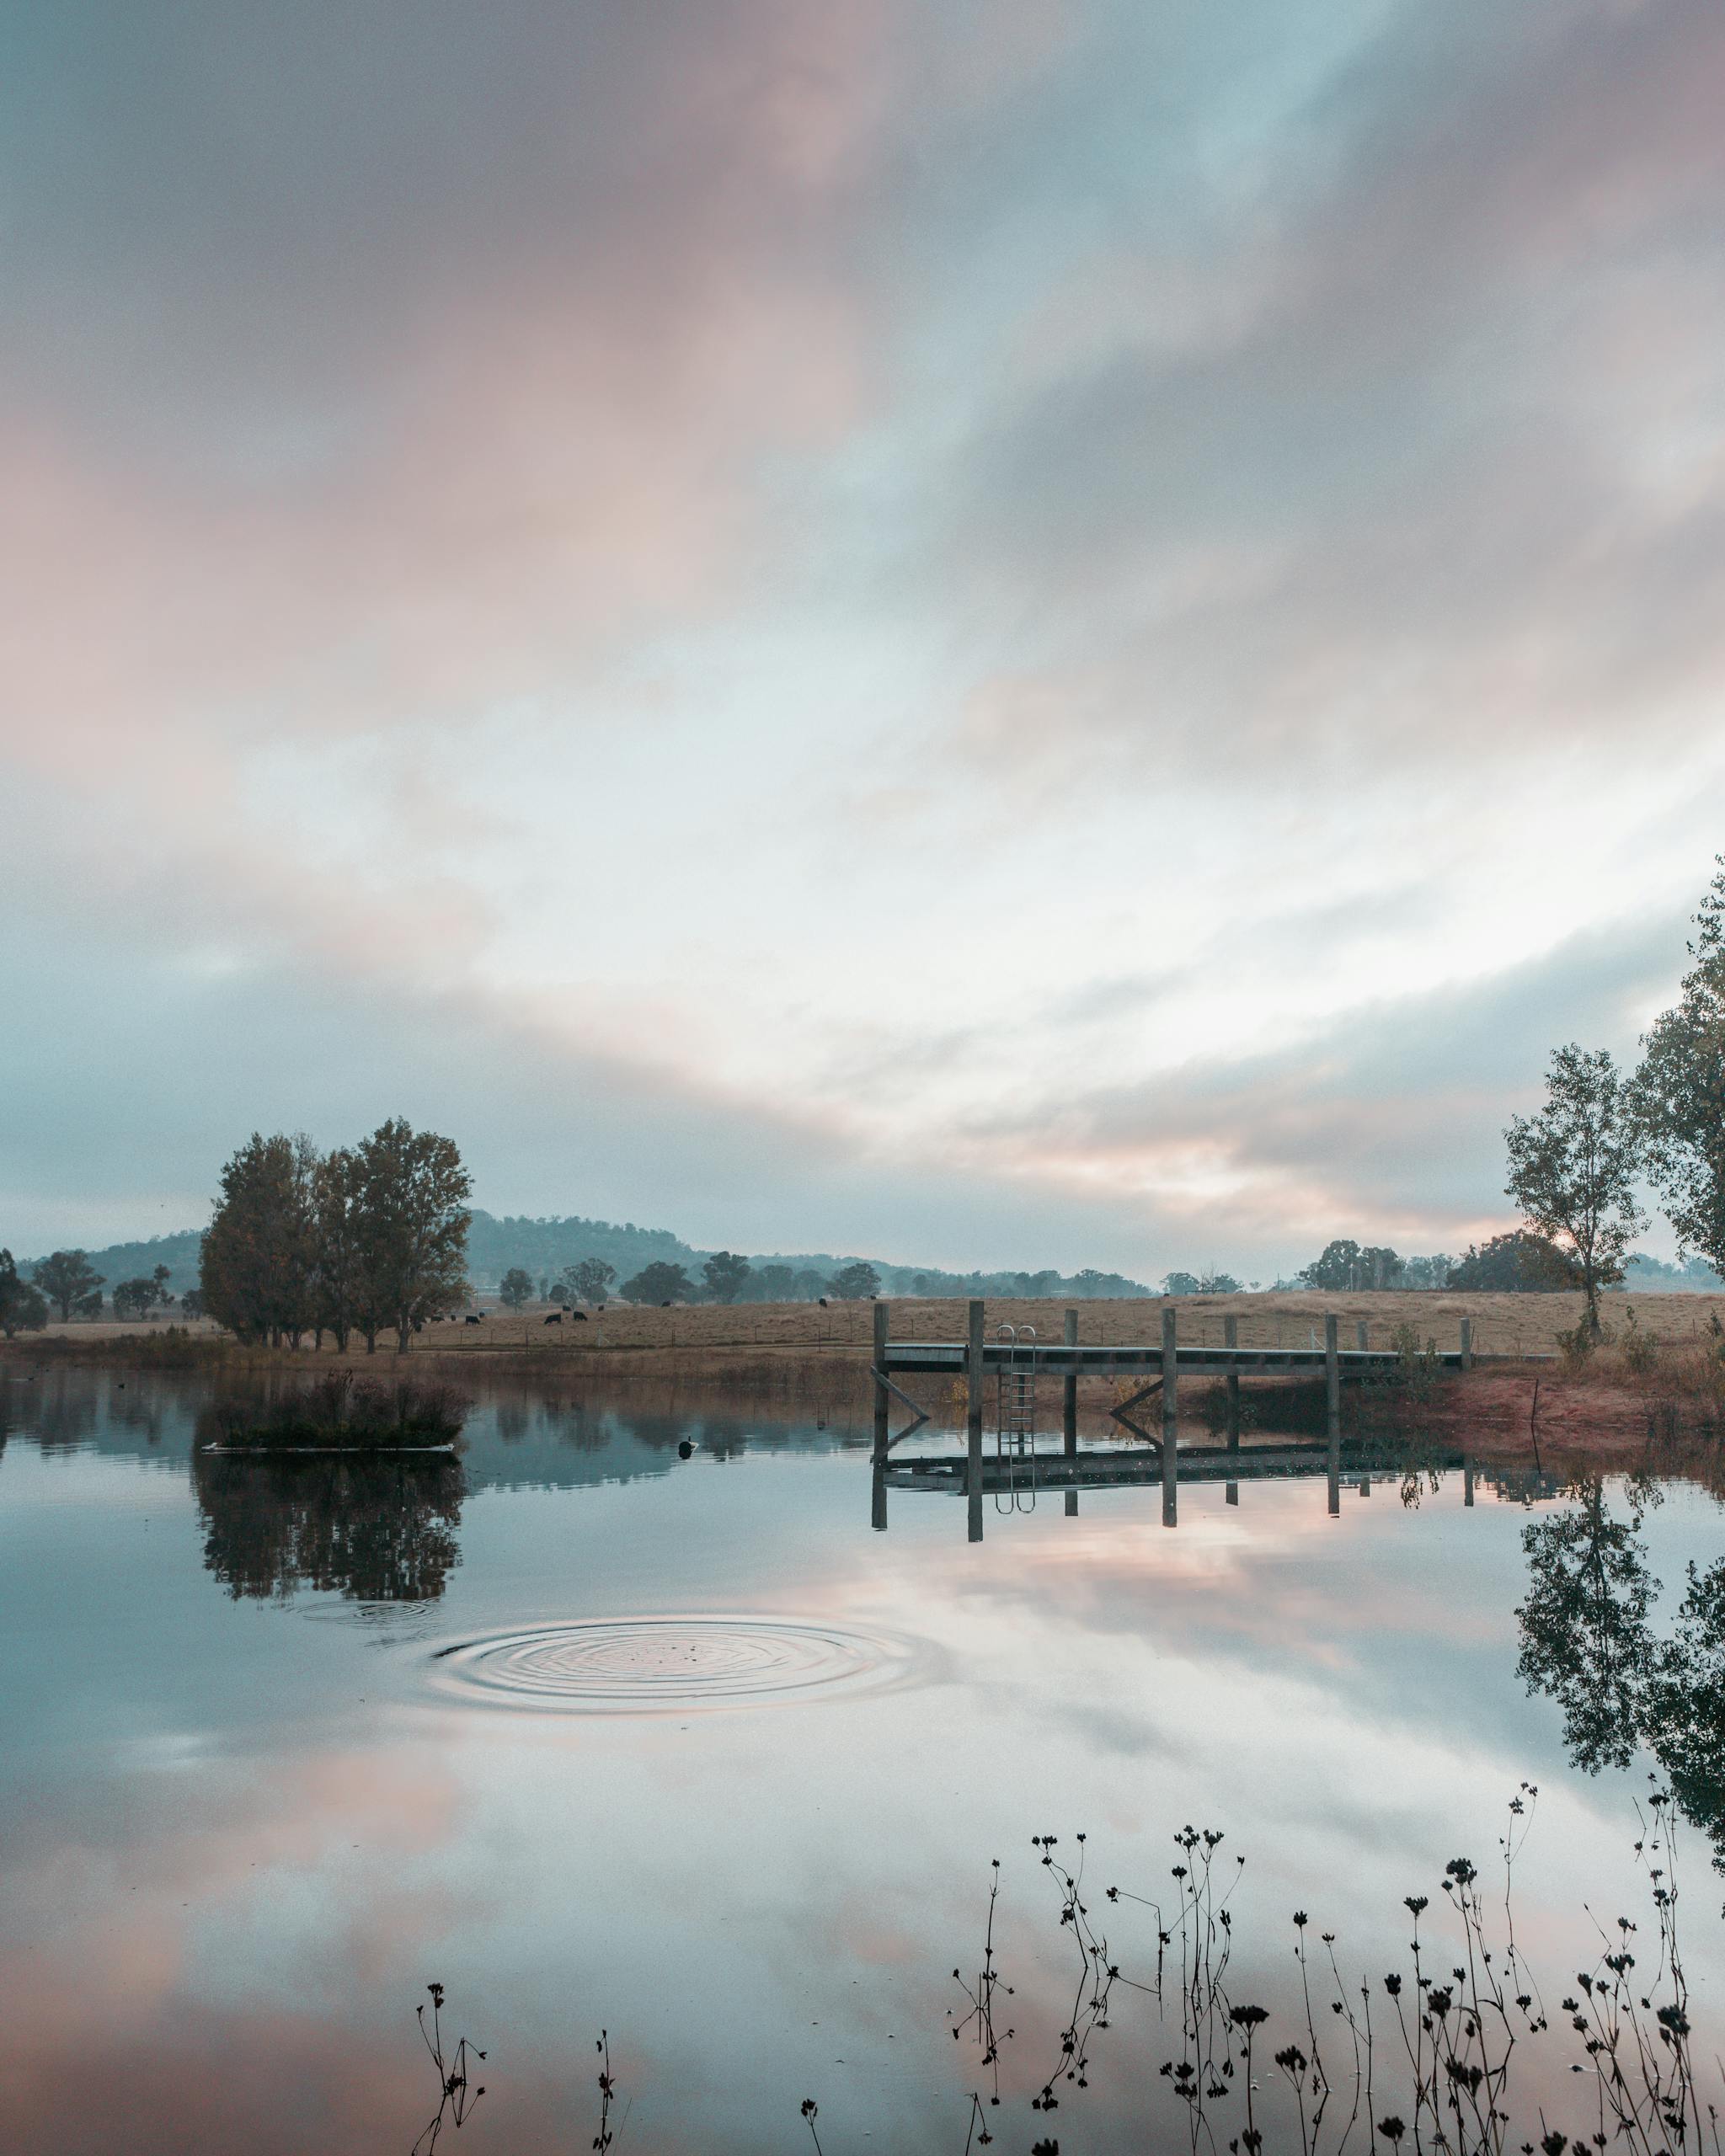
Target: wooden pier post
(1467,1343)
(1332,1395)
(1069,1396)
(883,1310)
(877,1511)
(1467,1478)
(973,1412)
(1170,1415)
(1071,1504)
(1231,1338)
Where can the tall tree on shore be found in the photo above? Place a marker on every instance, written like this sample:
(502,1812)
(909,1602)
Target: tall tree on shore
(338,1290)
(516,1288)
(1573,1167)
(70,1283)
(23,1307)
(258,1267)
(413,1228)
(1680,1092)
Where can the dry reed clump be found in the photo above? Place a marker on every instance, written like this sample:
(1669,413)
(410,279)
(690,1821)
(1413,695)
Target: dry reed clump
(342,1411)
(1681,1380)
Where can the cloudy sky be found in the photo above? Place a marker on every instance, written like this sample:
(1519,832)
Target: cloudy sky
(1003,631)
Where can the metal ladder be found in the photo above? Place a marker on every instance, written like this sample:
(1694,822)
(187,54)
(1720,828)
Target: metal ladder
(1015,1420)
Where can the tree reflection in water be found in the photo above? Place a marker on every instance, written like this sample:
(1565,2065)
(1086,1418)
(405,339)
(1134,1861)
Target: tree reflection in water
(1587,1641)
(372,1527)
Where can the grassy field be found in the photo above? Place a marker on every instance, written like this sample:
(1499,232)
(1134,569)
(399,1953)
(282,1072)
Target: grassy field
(1503,1325)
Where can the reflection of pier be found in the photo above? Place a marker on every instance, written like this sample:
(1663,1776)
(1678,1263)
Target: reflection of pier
(1140,1465)
(1018,1469)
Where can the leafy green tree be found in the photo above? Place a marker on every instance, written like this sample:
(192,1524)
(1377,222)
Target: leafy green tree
(1338,1269)
(414,1220)
(1181,1283)
(191,1304)
(340,1287)
(1585,1639)
(775,1283)
(855,1283)
(1572,1167)
(69,1281)
(588,1280)
(516,1288)
(808,1286)
(1680,1092)
(1518,1263)
(726,1275)
(143,1296)
(134,1298)
(23,1307)
(659,1282)
(257,1270)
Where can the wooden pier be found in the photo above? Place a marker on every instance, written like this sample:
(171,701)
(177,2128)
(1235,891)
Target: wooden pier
(1016,1362)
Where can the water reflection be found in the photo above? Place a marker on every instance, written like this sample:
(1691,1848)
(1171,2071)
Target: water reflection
(367,1527)
(1588,1642)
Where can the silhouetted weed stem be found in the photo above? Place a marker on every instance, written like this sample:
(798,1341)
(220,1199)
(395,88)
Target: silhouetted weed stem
(455,2099)
(1090,2003)
(607,2092)
(982,1996)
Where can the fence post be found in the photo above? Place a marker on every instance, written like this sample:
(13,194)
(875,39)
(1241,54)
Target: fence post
(1231,1338)
(1467,1343)
(1069,1392)
(1332,1395)
(1171,1415)
(973,1387)
(882,1316)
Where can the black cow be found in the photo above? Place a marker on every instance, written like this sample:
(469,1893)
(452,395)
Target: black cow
(472,1320)
(578,1317)
(556,1318)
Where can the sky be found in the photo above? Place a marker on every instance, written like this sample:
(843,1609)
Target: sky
(1011,634)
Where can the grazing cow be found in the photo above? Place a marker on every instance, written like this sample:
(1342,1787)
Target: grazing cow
(823,1302)
(578,1317)
(556,1318)
(472,1320)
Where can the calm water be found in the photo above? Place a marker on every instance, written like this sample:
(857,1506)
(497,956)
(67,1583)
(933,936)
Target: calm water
(685,1749)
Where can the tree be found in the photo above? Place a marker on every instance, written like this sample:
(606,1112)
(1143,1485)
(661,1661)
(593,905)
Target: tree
(134,1298)
(516,1288)
(659,1282)
(1182,1283)
(808,1286)
(1679,1092)
(259,1258)
(590,1279)
(1518,1263)
(191,1304)
(142,1297)
(1573,1167)
(1338,1269)
(413,1221)
(340,1301)
(70,1282)
(855,1283)
(23,1307)
(775,1283)
(726,1275)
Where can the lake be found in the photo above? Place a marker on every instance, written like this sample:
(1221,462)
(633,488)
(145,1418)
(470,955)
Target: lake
(689,1751)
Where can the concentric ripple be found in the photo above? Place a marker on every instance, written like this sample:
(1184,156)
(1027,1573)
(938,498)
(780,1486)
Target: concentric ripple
(671,1665)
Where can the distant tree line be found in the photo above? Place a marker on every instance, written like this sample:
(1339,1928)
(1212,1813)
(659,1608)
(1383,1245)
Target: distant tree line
(358,1241)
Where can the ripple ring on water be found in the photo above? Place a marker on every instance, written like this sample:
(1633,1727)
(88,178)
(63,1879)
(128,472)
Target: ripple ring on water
(671,1665)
